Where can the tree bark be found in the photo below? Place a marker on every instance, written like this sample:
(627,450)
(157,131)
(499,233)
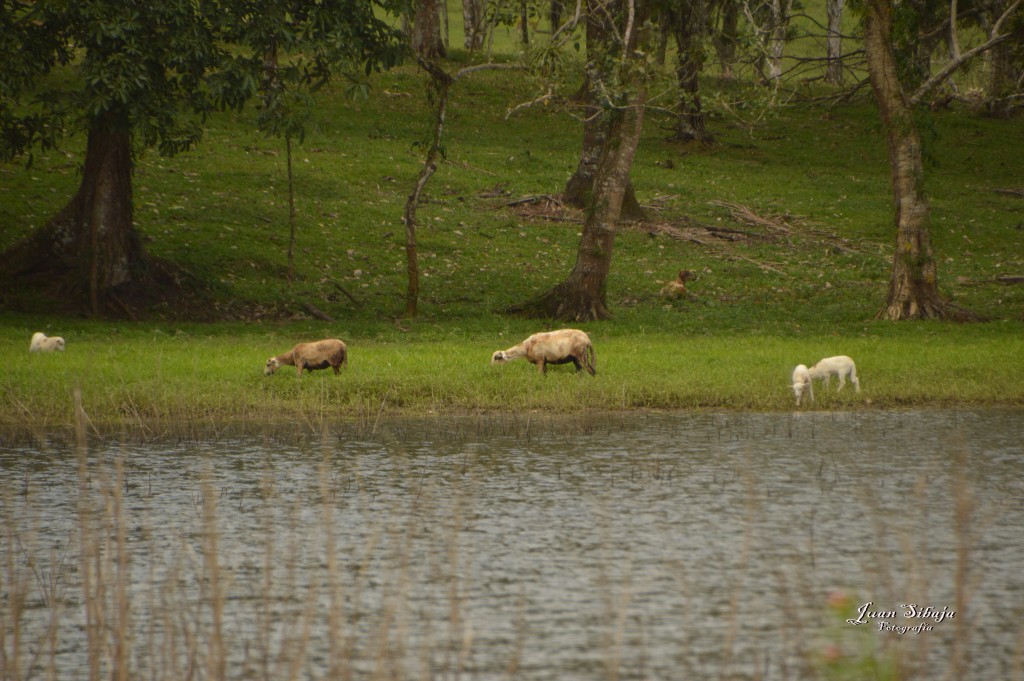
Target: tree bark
(89,255)
(441,82)
(689,26)
(473,24)
(579,190)
(425,34)
(913,288)
(834,44)
(727,37)
(582,296)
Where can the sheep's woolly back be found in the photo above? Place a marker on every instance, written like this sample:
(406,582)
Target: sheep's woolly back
(41,343)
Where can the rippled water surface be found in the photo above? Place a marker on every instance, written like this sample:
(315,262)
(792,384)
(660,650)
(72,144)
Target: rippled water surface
(648,546)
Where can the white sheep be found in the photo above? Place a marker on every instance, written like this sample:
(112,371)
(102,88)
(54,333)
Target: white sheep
(319,354)
(840,365)
(41,343)
(802,383)
(552,347)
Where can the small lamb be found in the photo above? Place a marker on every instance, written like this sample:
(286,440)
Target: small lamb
(840,365)
(801,383)
(42,343)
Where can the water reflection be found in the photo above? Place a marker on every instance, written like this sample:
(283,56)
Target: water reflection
(655,546)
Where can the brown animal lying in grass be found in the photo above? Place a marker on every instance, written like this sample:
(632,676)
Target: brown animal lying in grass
(317,355)
(677,287)
(553,347)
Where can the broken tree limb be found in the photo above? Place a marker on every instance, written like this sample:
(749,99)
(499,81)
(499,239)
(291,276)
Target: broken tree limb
(317,312)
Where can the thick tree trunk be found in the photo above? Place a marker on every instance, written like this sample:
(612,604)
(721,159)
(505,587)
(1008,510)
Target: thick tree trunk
(425,34)
(834,45)
(913,288)
(581,297)
(579,190)
(89,254)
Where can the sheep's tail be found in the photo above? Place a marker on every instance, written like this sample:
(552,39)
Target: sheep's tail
(590,360)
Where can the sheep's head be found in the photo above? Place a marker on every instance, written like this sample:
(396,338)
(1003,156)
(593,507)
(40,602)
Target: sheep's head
(499,357)
(271,367)
(58,343)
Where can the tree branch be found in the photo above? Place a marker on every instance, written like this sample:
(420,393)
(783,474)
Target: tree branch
(956,63)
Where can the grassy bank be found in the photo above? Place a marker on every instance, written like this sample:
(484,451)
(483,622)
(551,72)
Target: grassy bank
(786,221)
(165,379)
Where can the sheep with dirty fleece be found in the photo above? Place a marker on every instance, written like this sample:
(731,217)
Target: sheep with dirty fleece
(553,347)
(802,383)
(840,365)
(43,343)
(320,354)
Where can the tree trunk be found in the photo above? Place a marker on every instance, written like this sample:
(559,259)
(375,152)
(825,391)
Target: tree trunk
(689,26)
(581,297)
(777,38)
(441,82)
(913,287)
(579,190)
(89,255)
(727,37)
(473,24)
(425,34)
(1006,70)
(524,22)
(555,15)
(834,45)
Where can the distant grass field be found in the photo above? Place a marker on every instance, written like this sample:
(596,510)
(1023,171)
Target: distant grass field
(786,220)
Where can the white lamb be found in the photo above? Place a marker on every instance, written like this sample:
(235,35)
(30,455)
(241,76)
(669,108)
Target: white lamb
(42,343)
(801,383)
(840,365)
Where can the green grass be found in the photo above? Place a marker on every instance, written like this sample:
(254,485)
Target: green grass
(761,305)
(162,379)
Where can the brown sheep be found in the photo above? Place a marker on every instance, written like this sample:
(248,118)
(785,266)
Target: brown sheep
(553,347)
(309,356)
(677,287)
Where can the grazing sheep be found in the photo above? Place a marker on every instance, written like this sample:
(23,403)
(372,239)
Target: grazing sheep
(552,347)
(840,365)
(317,355)
(677,287)
(42,343)
(801,383)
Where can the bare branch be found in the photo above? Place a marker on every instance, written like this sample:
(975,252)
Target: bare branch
(570,25)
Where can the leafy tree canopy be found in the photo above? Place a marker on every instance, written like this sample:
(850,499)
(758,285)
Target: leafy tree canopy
(161,67)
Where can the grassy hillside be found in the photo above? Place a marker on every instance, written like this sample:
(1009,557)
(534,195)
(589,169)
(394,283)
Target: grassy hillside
(786,220)
(806,190)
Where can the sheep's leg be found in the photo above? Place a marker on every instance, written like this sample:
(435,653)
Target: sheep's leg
(842,381)
(299,365)
(337,371)
(579,364)
(542,367)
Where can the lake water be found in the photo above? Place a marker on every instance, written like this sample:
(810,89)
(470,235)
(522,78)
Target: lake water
(632,546)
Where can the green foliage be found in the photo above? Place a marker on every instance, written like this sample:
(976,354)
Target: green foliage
(164,67)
